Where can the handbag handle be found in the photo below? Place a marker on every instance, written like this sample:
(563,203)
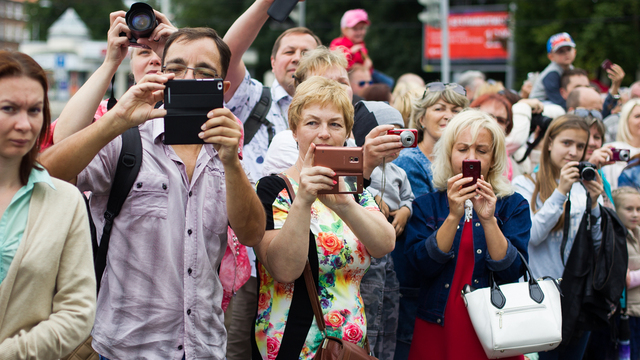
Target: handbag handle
(535,292)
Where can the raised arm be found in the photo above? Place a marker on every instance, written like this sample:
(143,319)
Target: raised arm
(80,110)
(68,158)
(239,38)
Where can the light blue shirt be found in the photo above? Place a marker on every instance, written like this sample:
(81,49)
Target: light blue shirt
(14,220)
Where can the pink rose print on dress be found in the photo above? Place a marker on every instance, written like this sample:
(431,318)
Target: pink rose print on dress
(352,333)
(330,243)
(273,346)
(334,319)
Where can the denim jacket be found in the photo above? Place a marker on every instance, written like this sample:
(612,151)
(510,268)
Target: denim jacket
(437,268)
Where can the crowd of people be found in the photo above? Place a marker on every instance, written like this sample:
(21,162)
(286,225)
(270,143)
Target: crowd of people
(208,250)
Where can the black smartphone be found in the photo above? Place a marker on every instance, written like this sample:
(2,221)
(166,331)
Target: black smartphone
(471,168)
(187,103)
(280,9)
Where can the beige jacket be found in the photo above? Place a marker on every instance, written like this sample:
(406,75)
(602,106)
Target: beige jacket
(48,299)
(633,248)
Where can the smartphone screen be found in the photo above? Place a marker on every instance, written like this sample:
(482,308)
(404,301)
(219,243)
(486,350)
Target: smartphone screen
(471,168)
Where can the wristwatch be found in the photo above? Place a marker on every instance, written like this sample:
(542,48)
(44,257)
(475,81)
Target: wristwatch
(616,96)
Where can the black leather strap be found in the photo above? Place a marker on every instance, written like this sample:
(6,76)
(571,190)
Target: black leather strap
(258,117)
(300,312)
(126,174)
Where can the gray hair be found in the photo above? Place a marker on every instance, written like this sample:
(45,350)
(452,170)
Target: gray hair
(466,78)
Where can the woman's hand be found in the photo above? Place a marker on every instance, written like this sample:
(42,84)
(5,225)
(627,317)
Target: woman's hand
(569,174)
(313,178)
(600,157)
(595,189)
(117,46)
(485,204)
(458,194)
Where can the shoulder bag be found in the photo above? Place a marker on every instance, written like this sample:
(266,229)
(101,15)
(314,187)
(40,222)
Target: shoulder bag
(516,318)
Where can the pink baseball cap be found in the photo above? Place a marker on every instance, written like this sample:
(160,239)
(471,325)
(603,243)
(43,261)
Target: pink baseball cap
(352,17)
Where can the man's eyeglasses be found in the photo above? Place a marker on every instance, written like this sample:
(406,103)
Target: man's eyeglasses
(363,83)
(588,114)
(440,86)
(180,70)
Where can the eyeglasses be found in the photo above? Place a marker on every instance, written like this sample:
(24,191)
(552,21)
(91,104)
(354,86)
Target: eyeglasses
(584,113)
(180,70)
(440,86)
(363,83)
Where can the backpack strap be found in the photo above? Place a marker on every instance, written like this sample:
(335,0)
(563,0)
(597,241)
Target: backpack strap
(258,117)
(126,174)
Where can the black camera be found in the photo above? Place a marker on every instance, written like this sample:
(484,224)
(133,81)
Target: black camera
(141,20)
(587,170)
(539,120)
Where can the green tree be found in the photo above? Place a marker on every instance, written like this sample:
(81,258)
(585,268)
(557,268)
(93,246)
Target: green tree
(601,29)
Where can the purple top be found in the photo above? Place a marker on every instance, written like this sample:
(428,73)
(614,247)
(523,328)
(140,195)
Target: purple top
(160,295)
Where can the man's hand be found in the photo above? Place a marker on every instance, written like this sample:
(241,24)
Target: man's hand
(158,37)
(137,104)
(379,146)
(223,131)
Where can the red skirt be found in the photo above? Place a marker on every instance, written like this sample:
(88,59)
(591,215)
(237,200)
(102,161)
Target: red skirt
(457,339)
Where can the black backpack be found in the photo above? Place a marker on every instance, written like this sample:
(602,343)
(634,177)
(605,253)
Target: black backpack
(126,173)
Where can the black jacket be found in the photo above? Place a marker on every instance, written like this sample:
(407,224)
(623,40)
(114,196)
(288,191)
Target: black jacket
(593,278)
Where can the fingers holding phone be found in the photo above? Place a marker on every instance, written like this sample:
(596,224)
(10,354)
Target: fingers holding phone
(223,131)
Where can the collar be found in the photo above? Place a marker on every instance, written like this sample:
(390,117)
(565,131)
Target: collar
(37,176)
(279,92)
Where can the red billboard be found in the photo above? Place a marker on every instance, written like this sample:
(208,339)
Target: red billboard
(476,36)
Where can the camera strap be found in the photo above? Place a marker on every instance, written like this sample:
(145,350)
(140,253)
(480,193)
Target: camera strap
(258,117)
(567,223)
(112,99)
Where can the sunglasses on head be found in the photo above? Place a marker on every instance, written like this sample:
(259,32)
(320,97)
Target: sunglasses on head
(440,86)
(584,113)
(363,83)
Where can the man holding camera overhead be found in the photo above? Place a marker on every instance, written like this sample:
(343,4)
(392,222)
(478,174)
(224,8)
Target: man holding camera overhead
(160,295)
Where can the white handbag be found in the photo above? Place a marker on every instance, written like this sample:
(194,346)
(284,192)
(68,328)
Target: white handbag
(516,318)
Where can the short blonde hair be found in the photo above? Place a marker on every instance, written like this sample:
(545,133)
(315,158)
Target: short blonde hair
(474,120)
(318,90)
(420,104)
(318,60)
(624,133)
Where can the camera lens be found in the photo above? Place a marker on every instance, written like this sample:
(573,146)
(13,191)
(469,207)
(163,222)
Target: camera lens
(141,20)
(587,170)
(407,138)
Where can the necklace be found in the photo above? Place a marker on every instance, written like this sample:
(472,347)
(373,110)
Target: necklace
(296,166)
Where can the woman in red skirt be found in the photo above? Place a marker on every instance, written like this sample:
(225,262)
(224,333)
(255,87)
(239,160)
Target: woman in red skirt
(461,233)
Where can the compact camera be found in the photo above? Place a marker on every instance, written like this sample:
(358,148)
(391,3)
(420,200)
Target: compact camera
(141,20)
(587,170)
(408,137)
(347,163)
(620,154)
(187,103)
